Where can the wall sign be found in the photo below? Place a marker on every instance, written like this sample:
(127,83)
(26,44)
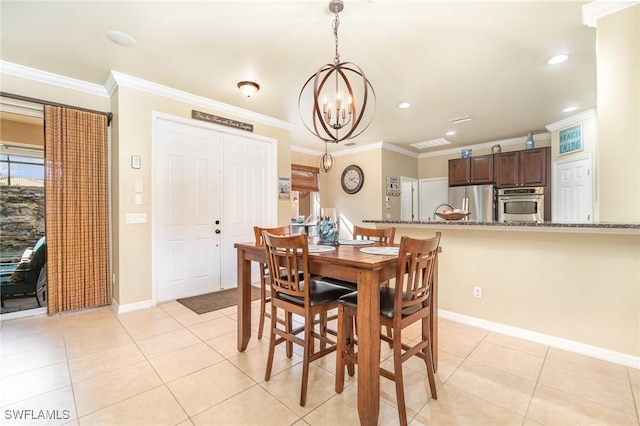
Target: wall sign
(570,140)
(199,115)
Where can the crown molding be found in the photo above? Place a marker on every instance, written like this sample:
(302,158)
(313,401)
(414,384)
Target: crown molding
(119,79)
(504,142)
(565,122)
(53,79)
(595,10)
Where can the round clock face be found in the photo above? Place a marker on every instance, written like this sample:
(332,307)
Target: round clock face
(352,179)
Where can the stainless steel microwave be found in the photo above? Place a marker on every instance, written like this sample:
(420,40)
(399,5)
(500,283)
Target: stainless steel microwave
(521,204)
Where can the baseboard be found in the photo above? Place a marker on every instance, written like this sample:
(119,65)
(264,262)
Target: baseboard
(545,339)
(129,307)
(23,314)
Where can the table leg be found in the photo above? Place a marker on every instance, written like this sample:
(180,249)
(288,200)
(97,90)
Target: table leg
(244,300)
(368,347)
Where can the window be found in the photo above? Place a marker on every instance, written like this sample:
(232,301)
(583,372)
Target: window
(21,170)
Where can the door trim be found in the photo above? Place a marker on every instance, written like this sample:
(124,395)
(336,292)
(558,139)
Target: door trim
(272,184)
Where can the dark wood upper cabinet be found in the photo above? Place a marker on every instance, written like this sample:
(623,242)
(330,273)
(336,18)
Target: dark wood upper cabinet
(482,169)
(472,170)
(459,171)
(522,168)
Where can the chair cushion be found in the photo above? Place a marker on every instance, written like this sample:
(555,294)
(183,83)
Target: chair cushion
(387,296)
(321,293)
(346,284)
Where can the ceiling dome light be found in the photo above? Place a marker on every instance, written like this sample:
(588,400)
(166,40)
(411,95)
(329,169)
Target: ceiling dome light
(404,105)
(450,133)
(120,38)
(558,59)
(248,88)
(570,109)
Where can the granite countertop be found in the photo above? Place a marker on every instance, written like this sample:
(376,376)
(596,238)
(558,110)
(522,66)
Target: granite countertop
(534,225)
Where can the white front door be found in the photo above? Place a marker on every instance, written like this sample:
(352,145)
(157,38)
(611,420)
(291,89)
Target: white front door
(210,188)
(187,200)
(572,201)
(249,195)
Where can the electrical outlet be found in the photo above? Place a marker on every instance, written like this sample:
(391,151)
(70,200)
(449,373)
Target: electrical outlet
(477,292)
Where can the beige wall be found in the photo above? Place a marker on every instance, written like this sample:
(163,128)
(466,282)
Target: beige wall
(618,53)
(355,207)
(552,283)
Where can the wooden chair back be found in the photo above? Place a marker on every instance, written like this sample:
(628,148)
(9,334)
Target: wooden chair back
(384,235)
(279,230)
(288,260)
(416,264)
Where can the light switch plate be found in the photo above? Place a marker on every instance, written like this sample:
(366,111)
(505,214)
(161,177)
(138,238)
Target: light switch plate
(135,161)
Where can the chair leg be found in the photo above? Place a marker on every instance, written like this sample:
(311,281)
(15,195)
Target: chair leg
(308,348)
(340,348)
(398,378)
(323,329)
(351,342)
(288,324)
(272,344)
(428,359)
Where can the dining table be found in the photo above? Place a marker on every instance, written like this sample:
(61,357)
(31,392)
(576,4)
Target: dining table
(349,263)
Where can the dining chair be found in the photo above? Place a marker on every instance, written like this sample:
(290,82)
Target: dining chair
(265,279)
(296,292)
(384,235)
(400,306)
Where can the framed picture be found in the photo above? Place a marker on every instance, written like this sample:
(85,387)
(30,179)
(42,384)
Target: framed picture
(570,140)
(284,188)
(466,153)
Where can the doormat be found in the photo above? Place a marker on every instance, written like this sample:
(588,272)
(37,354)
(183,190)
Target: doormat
(217,300)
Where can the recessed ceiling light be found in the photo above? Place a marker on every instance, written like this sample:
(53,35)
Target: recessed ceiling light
(404,105)
(450,133)
(558,59)
(570,109)
(123,39)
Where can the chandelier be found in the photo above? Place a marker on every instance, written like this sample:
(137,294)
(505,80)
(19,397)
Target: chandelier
(326,160)
(341,96)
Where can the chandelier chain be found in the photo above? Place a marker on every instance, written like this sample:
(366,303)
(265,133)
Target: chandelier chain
(336,24)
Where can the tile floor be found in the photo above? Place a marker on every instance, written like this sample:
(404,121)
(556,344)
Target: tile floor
(168,366)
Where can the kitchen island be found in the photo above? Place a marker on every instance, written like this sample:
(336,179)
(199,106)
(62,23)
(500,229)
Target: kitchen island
(573,286)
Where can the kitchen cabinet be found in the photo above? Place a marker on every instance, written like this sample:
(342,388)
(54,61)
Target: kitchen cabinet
(471,170)
(522,168)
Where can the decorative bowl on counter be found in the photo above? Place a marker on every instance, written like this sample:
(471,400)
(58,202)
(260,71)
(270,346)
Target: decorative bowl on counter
(453,215)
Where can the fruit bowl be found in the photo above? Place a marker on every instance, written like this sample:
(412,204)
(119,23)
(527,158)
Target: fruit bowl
(453,215)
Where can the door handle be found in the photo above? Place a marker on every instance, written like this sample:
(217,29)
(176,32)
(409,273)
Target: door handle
(217,231)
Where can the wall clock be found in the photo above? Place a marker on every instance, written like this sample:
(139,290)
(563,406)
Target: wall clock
(352,179)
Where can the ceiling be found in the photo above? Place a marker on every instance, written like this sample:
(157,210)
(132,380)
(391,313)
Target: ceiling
(448,59)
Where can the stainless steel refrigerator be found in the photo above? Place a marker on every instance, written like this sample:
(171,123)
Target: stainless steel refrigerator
(477,199)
